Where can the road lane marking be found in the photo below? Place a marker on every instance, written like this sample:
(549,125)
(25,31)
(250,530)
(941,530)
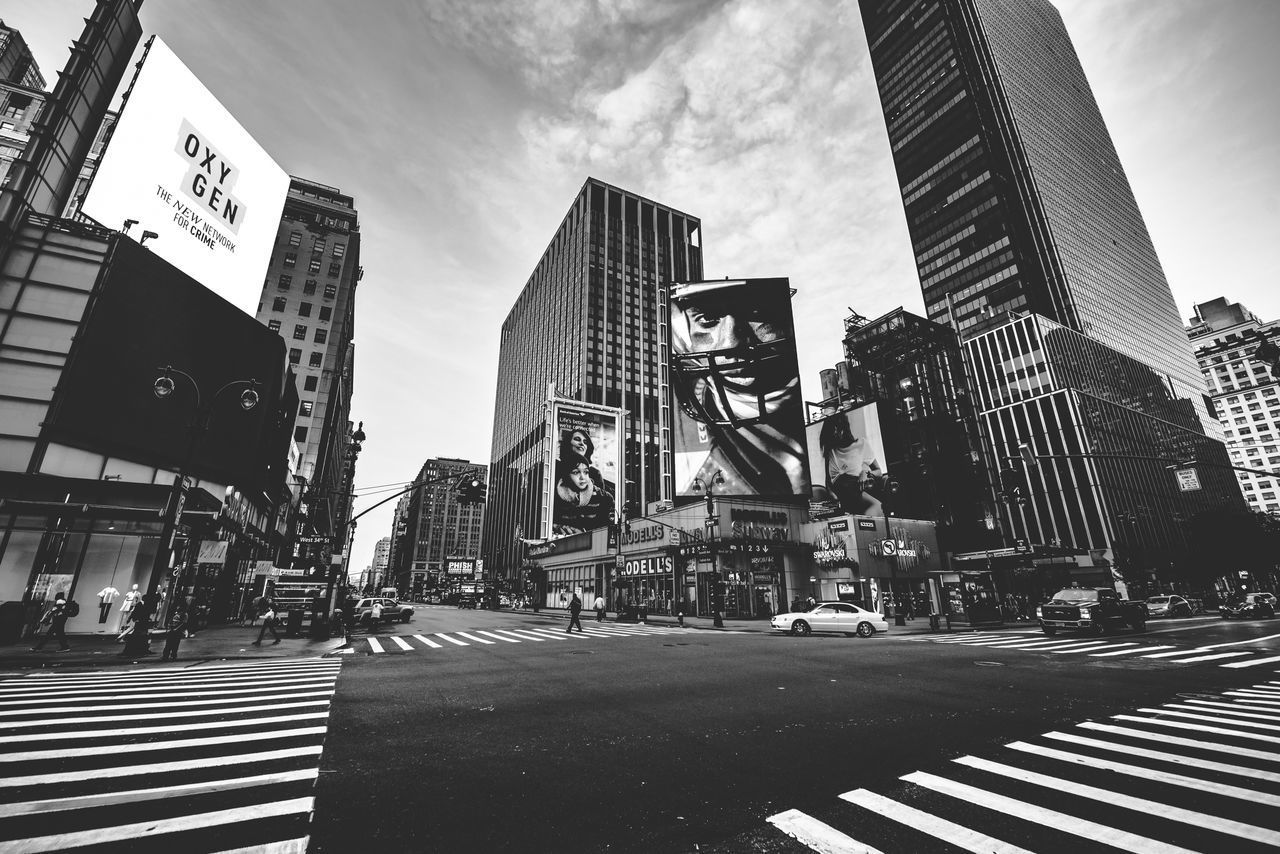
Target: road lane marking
(1270,739)
(452,640)
(152,746)
(160,767)
(309,682)
(1196,783)
(818,836)
(1173,758)
(134,677)
(557,634)
(1241,642)
(1213,657)
(1127,651)
(75,735)
(1238,711)
(1165,738)
(400,643)
(939,828)
(94,719)
(1086,648)
(155,827)
(427,641)
(176,704)
(495,635)
(1218,718)
(1255,696)
(472,637)
(1257,661)
(1175,653)
(1045,817)
(531,635)
(217,685)
(508,635)
(374,645)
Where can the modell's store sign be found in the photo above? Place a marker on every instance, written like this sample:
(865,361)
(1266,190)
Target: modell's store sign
(647,566)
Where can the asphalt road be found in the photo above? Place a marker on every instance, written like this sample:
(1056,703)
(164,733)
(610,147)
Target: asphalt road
(690,741)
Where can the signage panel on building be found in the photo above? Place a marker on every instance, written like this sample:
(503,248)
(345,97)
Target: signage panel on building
(847,463)
(181,166)
(585,458)
(1188,480)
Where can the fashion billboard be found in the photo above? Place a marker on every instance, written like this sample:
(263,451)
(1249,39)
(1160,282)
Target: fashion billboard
(179,165)
(739,416)
(846,462)
(585,465)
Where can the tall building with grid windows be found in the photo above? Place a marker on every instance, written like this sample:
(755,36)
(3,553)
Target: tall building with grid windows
(431,526)
(1015,197)
(588,320)
(309,297)
(1245,395)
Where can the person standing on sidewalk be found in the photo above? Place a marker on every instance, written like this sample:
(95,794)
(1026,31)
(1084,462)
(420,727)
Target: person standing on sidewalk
(268,622)
(599,609)
(56,617)
(173,637)
(575,609)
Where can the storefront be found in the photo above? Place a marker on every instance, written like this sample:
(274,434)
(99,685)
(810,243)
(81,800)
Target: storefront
(880,563)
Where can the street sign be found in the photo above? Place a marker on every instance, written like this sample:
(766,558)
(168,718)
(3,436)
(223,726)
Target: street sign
(311,540)
(675,536)
(1188,480)
(619,561)
(1021,547)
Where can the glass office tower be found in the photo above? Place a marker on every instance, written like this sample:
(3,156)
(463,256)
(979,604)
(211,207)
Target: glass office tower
(1015,197)
(588,320)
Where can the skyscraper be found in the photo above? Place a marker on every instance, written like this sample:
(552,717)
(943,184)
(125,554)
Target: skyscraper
(431,526)
(1014,194)
(589,320)
(17,64)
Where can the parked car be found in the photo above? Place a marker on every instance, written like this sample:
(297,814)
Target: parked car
(391,611)
(831,617)
(1169,606)
(1250,606)
(1091,608)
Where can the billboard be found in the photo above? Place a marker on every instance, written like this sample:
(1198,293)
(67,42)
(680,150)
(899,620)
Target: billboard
(739,416)
(180,165)
(847,463)
(585,465)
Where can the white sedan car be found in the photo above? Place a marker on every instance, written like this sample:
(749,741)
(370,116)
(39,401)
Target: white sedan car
(831,617)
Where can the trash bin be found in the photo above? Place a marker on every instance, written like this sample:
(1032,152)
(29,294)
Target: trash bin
(643,612)
(294,626)
(899,619)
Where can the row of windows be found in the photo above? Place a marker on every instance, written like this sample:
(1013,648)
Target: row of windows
(304,309)
(317,248)
(285,282)
(313,266)
(316,360)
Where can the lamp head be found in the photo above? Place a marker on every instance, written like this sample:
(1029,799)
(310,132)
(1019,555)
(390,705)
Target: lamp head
(249,397)
(163,386)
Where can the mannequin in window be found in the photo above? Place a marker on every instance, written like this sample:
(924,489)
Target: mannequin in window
(132,600)
(106,596)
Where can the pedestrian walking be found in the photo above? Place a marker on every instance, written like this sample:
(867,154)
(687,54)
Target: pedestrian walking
(268,622)
(137,638)
(599,609)
(174,634)
(575,608)
(56,619)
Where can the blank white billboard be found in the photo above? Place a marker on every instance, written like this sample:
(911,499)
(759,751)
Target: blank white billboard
(181,165)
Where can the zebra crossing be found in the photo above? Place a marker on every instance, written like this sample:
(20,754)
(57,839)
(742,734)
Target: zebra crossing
(476,639)
(1097,647)
(1197,774)
(197,759)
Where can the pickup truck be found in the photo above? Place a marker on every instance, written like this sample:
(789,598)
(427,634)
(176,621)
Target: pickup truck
(1092,609)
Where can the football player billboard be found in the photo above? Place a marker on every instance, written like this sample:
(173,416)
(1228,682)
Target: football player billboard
(585,465)
(739,417)
(846,463)
(179,165)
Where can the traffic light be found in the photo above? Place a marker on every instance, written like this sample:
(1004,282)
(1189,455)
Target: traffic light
(1013,486)
(472,490)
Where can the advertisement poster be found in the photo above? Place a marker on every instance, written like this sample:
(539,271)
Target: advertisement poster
(586,467)
(180,166)
(739,416)
(846,463)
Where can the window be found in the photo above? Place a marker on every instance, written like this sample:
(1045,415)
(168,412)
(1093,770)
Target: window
(286,282)
(309,287)
(339,249)
(314,266)
(299,434)
(295,356)
(317,248)
(273,325)
(316,358)
(295,239)
(330,291)
(322,335)
(335,268)
(279,304)
(326,312)
(304,309)
(309,384)
(299,332)
(304,408)
(290,259)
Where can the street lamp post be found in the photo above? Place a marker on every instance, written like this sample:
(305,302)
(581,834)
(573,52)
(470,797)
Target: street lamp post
(164,388)
(717,595)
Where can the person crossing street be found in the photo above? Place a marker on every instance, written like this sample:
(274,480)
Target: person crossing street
(56,618)
(599,605)
(575,609)
(268,621)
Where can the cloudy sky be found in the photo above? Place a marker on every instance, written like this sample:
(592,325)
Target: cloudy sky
(464,129)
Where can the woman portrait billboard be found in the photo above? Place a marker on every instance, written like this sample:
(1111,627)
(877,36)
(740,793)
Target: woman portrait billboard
(585,467)
(846,460)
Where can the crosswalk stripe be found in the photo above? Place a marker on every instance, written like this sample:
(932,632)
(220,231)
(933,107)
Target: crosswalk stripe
(1212,657)
(171,705)
(1254,663)
(475,639)
(7,706)
(559,634)
(134,795)
(160,673)
(817,835)
(451,640)
(1148,807)
(400,643)
(219,685)
(1215,717)
(1232,709)
(1042,644)
(152,746)
(1255,692)
(1175,653)
(1175,758)
(1241,642)
(526,633)
(284,846)
(1127,651)
(947,831)
(1040,815)
(161,767)
(95,719)
(507,634)
(1166,738)
(155,827)
(427,641)
(1089,647)
(76,735)
(1166,722)
(1196,783)
(374,645)
(1255,699)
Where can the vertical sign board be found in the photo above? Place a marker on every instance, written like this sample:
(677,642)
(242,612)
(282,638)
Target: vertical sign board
(585,463)
(846,462)
(180,165)
(739,419)
(1188,480)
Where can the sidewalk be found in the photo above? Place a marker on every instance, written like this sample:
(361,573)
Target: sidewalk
(213,642)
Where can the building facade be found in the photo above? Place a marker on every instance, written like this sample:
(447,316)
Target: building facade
(1245,395)
(1015,197)
(431,527)
(17,63)
(589,320)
